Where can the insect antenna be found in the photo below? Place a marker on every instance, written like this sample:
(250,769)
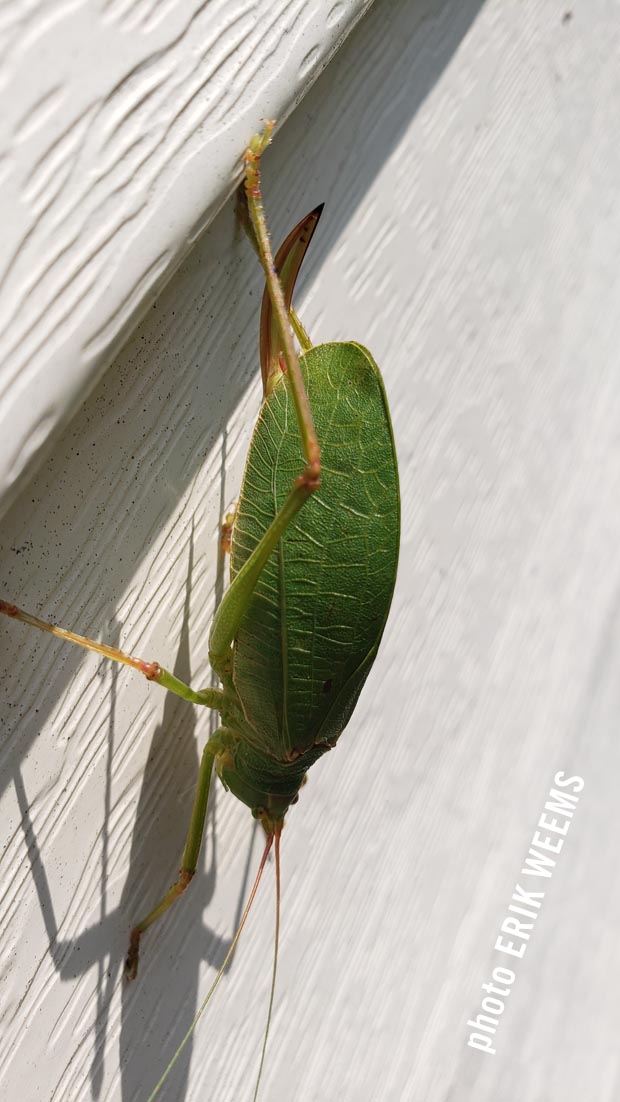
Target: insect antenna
(276,941)
(224,965)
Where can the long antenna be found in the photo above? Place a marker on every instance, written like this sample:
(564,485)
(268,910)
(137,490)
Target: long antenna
(222,969)
(276,941)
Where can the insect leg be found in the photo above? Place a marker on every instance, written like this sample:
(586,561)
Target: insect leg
(212,698)
(193,842)
(226,531)
(300,332)
(235,602)
(232,609)
(307,431)
(288,262)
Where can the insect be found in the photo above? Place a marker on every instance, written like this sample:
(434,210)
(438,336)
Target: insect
(313,556)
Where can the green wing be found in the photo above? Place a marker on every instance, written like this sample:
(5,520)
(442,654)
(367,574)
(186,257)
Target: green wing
(312,630)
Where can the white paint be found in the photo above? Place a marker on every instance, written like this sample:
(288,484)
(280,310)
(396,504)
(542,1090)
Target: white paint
(121,132)
(469,160)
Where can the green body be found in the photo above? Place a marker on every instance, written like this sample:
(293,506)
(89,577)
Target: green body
(311,630)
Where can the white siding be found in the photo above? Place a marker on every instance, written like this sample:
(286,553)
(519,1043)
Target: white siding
(469,159)
(122,124)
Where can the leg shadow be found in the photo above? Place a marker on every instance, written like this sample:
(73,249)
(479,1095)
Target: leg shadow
(159,1007)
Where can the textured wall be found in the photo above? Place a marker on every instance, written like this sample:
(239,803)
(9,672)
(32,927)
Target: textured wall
(122,122)
(469,160)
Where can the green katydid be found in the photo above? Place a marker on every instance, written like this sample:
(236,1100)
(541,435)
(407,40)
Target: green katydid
(314,550)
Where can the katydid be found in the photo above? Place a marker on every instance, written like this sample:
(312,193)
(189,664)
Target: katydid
(313,555)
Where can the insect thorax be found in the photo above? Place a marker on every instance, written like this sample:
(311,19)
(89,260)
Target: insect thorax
(266,786)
